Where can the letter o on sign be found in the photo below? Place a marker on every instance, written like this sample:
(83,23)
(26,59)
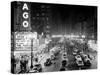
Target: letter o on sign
(25,24)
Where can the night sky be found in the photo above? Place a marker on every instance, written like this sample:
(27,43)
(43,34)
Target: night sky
(68,17)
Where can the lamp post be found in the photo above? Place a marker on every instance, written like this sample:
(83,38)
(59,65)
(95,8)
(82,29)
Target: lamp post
(31,54)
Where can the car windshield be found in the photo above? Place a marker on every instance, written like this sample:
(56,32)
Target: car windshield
(64,55)
(37,65)
(78,56)
(85,56)
(35,68)
(80,62)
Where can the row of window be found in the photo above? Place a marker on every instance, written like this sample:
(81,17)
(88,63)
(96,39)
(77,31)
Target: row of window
(40,18)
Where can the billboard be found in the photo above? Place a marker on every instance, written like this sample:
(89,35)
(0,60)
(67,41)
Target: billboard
(23,41)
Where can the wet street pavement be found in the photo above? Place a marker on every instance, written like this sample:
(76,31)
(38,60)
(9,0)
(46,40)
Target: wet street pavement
(71,64)
(53,67)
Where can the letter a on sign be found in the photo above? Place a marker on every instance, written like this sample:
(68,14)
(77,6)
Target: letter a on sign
(25,6)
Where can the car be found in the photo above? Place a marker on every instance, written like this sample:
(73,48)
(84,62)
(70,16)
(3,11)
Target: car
(64,55)
(78,57)
(64,63)
(74,53)
(48,62)
(34,70)
(62,69)
(71,43)
(37,67)
(79,61)
(53,57)
(56,52)
(81,53)
(86,60)
(76,50)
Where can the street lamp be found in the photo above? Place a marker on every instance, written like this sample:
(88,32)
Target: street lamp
(31,54)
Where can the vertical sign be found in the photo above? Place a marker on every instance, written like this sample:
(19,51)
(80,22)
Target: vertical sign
(25,17)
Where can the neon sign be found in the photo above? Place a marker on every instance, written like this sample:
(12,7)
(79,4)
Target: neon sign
(25,15)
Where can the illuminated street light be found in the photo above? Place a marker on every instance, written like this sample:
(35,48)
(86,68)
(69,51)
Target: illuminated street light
(83,36)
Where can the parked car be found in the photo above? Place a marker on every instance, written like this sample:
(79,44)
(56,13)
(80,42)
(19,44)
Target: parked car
(48,62)
(37,67)
(86,60)
(53,57)
(64,63)
(79,61)
(81,53)
(62,69)
(64,56)
(74,53)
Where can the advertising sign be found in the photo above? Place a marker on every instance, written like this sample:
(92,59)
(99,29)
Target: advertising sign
(23,40)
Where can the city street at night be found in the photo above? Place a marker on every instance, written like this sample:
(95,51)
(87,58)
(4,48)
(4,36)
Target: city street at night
(52,37)
(56,64)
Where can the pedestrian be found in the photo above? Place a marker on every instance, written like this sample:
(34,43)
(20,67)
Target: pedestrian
(23,65)
(13,64)
(26,63)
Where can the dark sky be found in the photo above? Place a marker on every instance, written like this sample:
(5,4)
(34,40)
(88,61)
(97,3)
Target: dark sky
(68,17)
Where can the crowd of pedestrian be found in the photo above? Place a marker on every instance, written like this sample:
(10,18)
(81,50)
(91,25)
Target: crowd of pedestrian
(19,64)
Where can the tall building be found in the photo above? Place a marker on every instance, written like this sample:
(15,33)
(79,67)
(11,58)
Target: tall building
(20,16)
(41,18)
